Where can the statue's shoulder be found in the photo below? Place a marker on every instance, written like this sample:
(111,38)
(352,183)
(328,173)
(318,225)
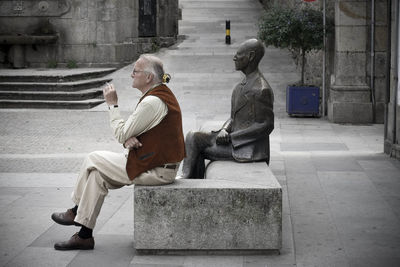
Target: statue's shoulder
(264,85)
(266,92)
(261,84)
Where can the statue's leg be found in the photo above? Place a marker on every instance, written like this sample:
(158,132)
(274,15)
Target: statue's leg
(195,144)
(218,152)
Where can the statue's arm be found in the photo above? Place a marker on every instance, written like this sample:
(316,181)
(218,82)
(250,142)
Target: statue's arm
(227,125)
(263,121)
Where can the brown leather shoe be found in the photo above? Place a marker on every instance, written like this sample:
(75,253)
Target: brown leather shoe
(64,218)
(75,242)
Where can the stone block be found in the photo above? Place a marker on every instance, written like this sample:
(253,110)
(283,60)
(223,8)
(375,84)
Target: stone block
(126,53)
(381,12)
(107,11)
(349,112)
(123,33)
(380,38)
(350,13)
(104,53)
(351,38)
(380,64)
(92,10)
(380,89)
(350,68)
(380,112)
(75,53)
(79,10)
(74,32)
(350,93)
(92,34)
(238,207)
(106,32)
(41,54)
(126,9)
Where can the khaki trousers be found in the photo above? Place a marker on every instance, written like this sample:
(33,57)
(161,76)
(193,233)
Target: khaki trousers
(103,170)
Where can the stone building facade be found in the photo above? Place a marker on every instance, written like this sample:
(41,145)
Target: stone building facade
(359,76)
(362,66)
(87,33)
(392,101)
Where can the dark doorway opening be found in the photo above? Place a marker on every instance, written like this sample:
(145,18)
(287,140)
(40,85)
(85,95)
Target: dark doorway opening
(147,18)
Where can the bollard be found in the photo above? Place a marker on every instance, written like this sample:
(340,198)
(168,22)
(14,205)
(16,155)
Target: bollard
(228,32)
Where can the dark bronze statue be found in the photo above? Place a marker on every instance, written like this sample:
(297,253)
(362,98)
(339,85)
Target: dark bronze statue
(245,136)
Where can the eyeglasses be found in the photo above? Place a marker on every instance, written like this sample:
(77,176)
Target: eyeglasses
(137,71)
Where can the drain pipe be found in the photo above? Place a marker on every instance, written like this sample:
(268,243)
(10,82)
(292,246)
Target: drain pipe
(388,62)
(396,79)
(373,60)
(323,61)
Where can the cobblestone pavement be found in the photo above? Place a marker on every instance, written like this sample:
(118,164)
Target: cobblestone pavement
(341,193)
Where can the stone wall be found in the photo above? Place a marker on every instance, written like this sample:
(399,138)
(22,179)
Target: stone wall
(392,121)
(355,97)
(90,32)
(380,60)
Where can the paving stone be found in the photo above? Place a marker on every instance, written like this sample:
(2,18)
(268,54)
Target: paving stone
(339,163)
(37,179)
(157,260)
(41,257)
(110,250)
(121,221)
(299,164)
(369,261)
(223,261)
(20,226)
(377,165)
(312,146)
(366,224)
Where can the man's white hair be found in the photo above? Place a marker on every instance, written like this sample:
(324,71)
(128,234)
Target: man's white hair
(154,66)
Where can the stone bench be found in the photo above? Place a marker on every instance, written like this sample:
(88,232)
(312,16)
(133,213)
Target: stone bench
(237,208)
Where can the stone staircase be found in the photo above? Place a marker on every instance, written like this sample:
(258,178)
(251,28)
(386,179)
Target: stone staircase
(53,88)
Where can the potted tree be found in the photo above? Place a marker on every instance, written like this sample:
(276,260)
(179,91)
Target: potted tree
(300,30)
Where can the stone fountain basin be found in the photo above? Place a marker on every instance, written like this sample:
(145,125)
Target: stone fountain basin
(25,39)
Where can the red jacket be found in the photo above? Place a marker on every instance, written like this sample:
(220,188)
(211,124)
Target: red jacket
(162,144)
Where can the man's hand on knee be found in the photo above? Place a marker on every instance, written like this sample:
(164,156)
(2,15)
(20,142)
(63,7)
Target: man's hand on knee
(132,143)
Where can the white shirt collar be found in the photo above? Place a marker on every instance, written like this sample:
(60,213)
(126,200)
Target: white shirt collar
(154,86)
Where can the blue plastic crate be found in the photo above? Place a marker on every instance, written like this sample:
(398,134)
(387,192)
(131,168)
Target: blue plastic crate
(302,100)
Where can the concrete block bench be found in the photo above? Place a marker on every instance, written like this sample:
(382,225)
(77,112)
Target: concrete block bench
(237,207)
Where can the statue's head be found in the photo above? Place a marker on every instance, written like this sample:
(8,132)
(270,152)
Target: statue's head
(249,55)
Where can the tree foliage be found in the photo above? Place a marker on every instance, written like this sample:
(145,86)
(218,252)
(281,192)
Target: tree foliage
(298,29)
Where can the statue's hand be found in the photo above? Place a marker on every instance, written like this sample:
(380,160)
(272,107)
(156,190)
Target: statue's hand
(222,137)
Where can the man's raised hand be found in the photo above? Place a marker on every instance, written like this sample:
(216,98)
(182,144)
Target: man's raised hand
(110,94)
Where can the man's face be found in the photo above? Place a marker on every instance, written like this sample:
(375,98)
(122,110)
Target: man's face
(241,59)
(139,76)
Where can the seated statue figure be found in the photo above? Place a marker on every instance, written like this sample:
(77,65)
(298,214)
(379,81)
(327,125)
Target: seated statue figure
(244,137)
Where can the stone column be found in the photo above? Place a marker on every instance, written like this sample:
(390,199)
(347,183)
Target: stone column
(350,94)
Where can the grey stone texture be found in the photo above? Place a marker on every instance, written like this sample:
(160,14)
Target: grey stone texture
(392,133)
(349,96)
(237,207)
(90,33)
(350,112)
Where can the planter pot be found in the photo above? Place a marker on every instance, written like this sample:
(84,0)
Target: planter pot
(302,100)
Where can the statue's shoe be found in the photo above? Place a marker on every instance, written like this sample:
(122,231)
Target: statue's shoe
(64,218)
(75,242)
